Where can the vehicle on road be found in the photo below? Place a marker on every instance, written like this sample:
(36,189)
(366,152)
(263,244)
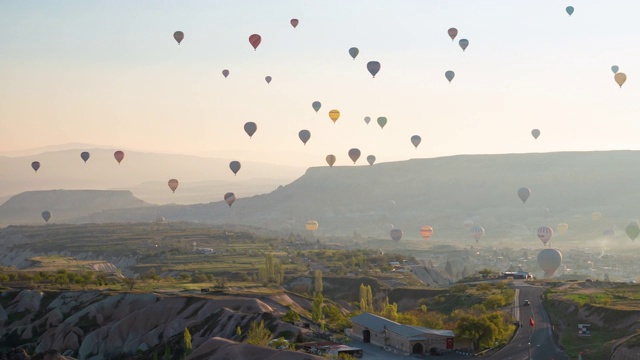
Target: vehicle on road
(526,303)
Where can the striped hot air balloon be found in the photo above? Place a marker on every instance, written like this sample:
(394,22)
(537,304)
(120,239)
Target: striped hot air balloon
(426,232)
(544,234)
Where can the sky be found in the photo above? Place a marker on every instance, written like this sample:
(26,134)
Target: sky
(110,73)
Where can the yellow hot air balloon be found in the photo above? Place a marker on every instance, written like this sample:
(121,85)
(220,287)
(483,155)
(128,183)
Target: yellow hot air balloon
(596,216)
(620,78)
(562,228)
(311,225)
(334,115)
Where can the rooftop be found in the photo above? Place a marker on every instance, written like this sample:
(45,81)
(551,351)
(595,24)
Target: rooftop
(379,324)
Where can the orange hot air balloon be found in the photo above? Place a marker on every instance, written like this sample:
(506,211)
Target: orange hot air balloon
(294,22)
(173,185)
(255,40)
(118,155)
(620,78)
(331,159)
(334,115)
(311,225)
(426,232)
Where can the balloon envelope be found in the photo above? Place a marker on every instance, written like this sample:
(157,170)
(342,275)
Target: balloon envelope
(173,185)
(304,136)
(367,119)
(234,166)
(620,78)
(449,75)
(396,234)
(85,156)
(311,225)
(354,52)
(255,40)
(118,155)
(464,43)
(334,115)
(544,234)
(570,10)
(35,165)
(615,69)
(225,73)
(426,232)
(371,159)
(562,228)
(415,140)
(331,159)
(524,193)
(316,105)
(294,22)
(354,154)
(633,230)
(535,133)
(373,67)
(46,215)
(382,121)
(477,232)
(453,32)
(250,128)
(178,36)
(549,261)
(230,198)
(267,79)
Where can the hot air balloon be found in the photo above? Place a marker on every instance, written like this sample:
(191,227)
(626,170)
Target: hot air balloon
(373,67)
(316,105)
(354,154)
(178,36)
(477,232)
(334,115)
(549,261)
(396,234)
(250,128)
(234,166)
(118,155)
(382,121)
(225,73)
(562,228)
(596,216)
(35,165)
(633,230)
(255,40)
(267,79)
(85,156)
(570,10)
(371,159)
(354,52)
(544,234)
(367,119)
(449,75)
(331,159)
(453,32)
(615,69)
(46,215)
(535,133)
(294,22)
(311,225)
(523,194)
(426,232)
(415,140)
(230,198)
(463,44)
(620,78)
(173,184)
(304,136)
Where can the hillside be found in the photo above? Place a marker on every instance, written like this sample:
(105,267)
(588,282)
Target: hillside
(442,192)
(27,207)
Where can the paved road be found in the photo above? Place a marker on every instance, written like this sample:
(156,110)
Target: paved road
(538,340)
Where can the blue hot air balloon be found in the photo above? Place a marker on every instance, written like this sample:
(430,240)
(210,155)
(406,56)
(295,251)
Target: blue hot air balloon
(570,10)
(354,52)
(449,75)
(373,67)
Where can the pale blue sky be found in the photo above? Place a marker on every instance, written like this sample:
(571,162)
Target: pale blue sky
(110,73)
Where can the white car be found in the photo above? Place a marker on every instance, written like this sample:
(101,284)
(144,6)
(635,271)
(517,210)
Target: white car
(526,303)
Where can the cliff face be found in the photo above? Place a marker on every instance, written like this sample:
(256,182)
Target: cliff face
(98,325)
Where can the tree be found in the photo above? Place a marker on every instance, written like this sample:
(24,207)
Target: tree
(485,273)
(494,301)
(316,308)
(238,331)
(291,316)
(258,334)
(129,282)
(167,353)
(369,299)
(317,281)
(363,297)
(187,341)
(389,311)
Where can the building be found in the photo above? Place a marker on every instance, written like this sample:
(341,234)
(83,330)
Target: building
(517,275)
(405,338)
